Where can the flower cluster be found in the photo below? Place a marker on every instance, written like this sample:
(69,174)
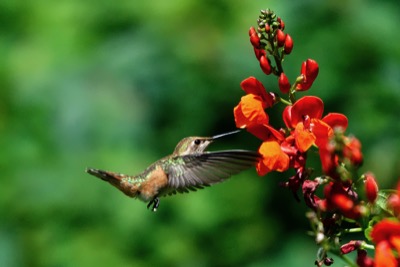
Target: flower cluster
(346,202)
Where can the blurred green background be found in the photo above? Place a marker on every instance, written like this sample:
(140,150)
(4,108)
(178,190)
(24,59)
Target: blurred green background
(116,84)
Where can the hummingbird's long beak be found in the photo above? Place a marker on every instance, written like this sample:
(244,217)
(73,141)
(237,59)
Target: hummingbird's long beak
(224,134)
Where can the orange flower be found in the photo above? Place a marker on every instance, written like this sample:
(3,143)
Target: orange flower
(250,112)
(386,235)
(273,158)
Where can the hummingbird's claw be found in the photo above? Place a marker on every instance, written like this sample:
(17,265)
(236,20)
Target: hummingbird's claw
(155,202)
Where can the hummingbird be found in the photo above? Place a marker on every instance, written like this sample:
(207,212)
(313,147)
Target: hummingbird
(188,168)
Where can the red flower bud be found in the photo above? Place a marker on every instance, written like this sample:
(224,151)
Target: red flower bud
(259,53)
(267,28)
(255,40)
(280,37)
(284,84)
(281,23)
(371,187)
(288,46)
(252,30)
(265,66)
(351,246)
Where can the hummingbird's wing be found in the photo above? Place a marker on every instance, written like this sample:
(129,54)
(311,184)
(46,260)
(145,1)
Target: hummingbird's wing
(193,171)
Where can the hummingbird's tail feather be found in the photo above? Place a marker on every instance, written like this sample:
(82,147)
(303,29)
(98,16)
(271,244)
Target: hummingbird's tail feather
(111,177)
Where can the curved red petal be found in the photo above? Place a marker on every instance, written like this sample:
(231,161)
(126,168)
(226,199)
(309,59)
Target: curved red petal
(336,120)
(265,132)
(287,117)
(259,131)
(311,106)
(253,86)
(322,132)
(384,229)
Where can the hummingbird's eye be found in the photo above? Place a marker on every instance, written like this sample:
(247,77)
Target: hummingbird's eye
(197,142)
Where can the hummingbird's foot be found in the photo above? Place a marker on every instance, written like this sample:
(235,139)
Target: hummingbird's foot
(155,202)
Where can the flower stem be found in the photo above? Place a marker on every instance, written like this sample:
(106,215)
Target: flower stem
(284,101)
(353,230)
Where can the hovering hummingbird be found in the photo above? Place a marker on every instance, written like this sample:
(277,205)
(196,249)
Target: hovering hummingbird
(189,167)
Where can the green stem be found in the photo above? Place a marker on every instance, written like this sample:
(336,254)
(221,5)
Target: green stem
(284,101)
(353,230)
(368,246)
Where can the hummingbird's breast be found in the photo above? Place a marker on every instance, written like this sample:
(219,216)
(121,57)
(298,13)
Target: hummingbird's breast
(155,182)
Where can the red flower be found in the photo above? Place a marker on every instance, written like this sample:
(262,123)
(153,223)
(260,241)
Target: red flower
(305,118)
(309,72)
(386,235)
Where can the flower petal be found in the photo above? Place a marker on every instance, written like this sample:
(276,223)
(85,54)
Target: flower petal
(273,158)
(384,229)
(287,117)
(336,120)
(322,132)
(303,137)
(250,112)
(384,256)
(265,132)
(310,106)
(253,86)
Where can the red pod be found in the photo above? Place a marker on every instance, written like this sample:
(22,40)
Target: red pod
(288,45)
(255,40)
(283,83)
(280,37)
(371,187)
(265,66)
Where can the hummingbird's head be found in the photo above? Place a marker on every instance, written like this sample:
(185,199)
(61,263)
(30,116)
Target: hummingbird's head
(196,144)
(192,145)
